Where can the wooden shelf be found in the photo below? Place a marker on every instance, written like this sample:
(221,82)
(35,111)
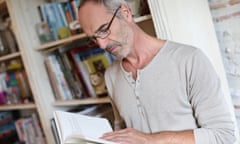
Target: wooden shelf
(81,36)
(82,102)
(61,42)
(17,107)
(10,56)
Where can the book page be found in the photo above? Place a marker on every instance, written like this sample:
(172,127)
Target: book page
(74,139)
(72,125)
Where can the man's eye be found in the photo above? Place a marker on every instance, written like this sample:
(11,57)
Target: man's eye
(103,31)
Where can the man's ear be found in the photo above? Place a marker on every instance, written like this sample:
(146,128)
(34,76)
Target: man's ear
(126,12)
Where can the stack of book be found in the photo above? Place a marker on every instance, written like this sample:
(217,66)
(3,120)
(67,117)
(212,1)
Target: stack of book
(29,130)
(61,18)
(7,128)
(71,70)
(14,85)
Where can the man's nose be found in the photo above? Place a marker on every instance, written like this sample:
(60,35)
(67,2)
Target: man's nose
(102,43)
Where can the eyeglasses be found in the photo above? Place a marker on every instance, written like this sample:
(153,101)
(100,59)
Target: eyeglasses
(104,30)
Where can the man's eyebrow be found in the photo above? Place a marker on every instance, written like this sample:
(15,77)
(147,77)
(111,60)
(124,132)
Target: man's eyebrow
(102,26)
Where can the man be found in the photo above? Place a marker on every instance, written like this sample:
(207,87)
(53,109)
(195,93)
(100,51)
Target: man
(165,92)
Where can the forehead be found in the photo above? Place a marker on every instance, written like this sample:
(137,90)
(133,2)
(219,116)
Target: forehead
(92,16)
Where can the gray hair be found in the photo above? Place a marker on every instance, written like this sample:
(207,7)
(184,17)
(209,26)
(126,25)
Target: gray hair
(111,5)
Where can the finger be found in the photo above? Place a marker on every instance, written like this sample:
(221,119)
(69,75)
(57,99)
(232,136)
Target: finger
(121,139)
(114,133)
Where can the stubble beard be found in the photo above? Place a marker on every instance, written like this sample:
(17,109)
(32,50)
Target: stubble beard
(121,50)
(124,48)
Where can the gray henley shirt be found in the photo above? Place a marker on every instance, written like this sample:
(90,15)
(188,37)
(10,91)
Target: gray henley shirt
(178,90)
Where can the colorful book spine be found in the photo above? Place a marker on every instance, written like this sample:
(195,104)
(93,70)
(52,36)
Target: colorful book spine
(51,20)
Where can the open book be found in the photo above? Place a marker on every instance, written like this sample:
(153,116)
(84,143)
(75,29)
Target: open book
(74,128)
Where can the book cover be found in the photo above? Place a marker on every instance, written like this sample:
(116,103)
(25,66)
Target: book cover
(66,77)
(84,74)
(23,84)
(81,70)
(39,138)
(19,128)
(54,131)
(97,63)
(71,68)
(53,80)
(51,20)
(66,6)
(57,74)
(76,128)
(62,29)
(76,75)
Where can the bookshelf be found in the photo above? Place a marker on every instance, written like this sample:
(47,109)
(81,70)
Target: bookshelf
(81,36)
(25,15)
(17,107)
(51,46)
(10,56)
(85,101)
(23,105)
(61,42)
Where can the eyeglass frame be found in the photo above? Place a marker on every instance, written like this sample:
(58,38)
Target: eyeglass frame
(106,32)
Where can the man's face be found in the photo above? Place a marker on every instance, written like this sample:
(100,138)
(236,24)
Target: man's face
(94,18)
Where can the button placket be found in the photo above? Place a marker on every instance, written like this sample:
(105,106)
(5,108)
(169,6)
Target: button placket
(137,93)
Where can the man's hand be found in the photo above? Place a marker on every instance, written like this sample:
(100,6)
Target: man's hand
(132,136)
(127,136)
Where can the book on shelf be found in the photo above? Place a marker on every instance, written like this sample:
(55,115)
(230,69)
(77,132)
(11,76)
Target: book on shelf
(8,43)
(29,130)
(23,84)
(96,66)
(66,6)
(68,70)
(6,123)
(88,62)
(24,129)
(7,128)
(14,88)
(61,17)
(63,76)
(57,78)
(72,71)
(83,74)
(77,128)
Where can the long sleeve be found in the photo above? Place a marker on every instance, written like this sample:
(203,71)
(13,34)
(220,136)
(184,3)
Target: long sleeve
(211,110)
